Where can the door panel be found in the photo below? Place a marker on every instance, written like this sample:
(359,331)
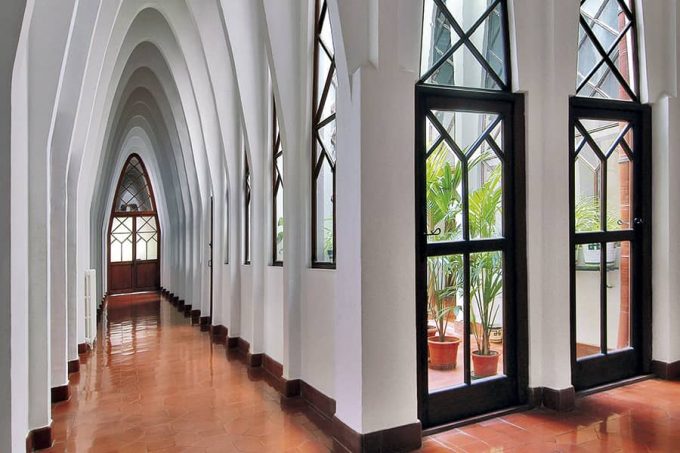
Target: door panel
(610,241)
(121,277)
(470,264)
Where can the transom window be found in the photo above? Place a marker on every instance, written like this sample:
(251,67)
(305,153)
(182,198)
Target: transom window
(133,194)
(323,141)
(464,44)
(607,60)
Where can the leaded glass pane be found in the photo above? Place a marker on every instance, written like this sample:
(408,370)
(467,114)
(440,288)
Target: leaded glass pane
(607,57)
(464,44)
(134,193)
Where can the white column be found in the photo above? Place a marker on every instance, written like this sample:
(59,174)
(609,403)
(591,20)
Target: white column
(13,312)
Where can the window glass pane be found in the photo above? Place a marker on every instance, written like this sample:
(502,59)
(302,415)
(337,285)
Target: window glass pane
(147,238)
(619,278)
(619,190)
(588,279)
(445,330)
(456,54)
(324,214)
(587,187)
(121,239)
(444,173)
(485,199)
(486,314)
(606,55)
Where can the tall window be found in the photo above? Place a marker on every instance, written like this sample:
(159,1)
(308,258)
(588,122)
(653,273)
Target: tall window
(468,266)
(323,141)
(277,190)
(608,154)
(246,209)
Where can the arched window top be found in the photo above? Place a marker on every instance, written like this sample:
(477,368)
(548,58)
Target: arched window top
(465,44)
(134,192)
(607,50)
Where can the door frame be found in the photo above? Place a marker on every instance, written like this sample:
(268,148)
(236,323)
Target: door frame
(636,360)
(435,409)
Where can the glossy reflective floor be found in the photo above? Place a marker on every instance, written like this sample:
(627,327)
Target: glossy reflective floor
(642,417)
(155,383)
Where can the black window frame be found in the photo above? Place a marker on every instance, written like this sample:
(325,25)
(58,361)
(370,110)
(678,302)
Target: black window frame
(318,153)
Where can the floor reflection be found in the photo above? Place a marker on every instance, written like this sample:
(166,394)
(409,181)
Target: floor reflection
(155,383)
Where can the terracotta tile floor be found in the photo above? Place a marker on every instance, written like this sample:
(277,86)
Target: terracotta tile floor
(642,417)
(155,383)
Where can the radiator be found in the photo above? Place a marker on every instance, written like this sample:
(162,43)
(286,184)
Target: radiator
(90,308)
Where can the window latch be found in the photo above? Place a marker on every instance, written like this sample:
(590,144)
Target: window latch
(435,232)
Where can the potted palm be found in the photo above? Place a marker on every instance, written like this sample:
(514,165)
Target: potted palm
(442,347)
(486,274)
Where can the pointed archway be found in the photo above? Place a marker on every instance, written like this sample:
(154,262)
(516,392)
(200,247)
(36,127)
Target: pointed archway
(134,251)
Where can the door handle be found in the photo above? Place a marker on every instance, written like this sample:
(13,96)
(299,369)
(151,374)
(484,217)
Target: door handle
(638,221)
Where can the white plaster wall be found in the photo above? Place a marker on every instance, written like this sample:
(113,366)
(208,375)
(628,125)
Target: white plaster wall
(272,325)
(247,322)
(318,329)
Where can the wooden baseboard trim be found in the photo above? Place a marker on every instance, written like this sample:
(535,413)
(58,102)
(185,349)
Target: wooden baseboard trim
(204,323)
(39,438)
(665,370)
(559,400)
(254,360)
(60,393)
(187,311)
(319,401)
(243,346)
(73,366)
(232,342)
(399,439)
(218,334)
(180,305)
(195,316)
(83,348)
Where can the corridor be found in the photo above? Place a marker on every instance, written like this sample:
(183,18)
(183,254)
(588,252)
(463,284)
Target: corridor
(154,383)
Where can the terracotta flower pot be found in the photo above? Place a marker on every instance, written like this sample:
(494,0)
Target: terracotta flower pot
(485,365)
(443,355)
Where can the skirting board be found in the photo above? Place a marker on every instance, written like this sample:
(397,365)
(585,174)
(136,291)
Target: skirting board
(60,393)
(218,334)
(400,439)
(195,316)
(39,439)
(73,366)
(559,400)
(664,370)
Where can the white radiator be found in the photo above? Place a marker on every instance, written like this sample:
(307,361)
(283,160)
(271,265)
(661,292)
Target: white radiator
(90,306)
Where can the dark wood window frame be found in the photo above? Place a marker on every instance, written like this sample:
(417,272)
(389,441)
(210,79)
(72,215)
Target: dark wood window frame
(319,154)
(277,184)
